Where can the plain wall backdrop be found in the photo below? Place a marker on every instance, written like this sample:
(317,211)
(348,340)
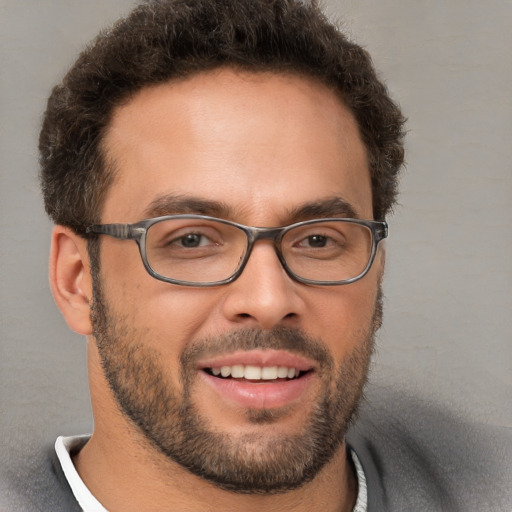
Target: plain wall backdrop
(448,322)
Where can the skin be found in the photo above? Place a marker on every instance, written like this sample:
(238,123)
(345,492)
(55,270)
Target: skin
(264,145)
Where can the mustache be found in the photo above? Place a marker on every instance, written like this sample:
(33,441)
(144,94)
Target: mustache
(278,338)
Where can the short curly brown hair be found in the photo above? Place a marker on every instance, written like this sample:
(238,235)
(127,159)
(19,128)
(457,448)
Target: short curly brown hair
(162,40)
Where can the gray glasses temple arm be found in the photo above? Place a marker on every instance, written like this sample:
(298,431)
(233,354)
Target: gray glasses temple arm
(121,231)
(381,230)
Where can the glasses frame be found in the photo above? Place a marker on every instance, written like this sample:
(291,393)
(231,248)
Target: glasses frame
(138,232)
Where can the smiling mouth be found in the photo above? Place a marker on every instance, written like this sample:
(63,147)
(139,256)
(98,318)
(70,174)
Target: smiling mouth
(256,373)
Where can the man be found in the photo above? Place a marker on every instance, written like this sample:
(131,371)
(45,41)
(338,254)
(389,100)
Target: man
(219,174)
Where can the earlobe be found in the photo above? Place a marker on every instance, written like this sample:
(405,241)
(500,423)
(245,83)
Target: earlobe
(70,278)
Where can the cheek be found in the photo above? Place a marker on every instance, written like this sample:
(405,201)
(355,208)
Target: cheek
(166,317)
(345,316)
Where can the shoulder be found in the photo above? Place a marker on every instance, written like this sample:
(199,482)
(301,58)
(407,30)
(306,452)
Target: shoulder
(36,483)
(420,457)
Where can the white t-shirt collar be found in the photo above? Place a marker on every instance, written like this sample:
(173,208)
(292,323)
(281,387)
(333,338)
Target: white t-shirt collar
(64,446)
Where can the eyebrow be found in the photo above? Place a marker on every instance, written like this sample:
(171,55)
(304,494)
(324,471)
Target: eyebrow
(171,204)
(334,206)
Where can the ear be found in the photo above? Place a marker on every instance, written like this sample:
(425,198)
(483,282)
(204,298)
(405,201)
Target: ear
(70,278)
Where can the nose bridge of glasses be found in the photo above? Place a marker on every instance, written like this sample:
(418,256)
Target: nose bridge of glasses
(255,234)
(273,234)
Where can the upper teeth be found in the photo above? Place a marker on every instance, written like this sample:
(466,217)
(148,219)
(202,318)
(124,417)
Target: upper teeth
(240,371)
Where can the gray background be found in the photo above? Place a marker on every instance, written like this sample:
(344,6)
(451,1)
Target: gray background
(448,322)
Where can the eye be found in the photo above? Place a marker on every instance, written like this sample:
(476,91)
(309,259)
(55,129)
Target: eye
(318,241)
(192,240)
(187,238)
(315,241)
(180,240)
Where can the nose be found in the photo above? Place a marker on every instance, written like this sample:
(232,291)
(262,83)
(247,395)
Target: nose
(264,295)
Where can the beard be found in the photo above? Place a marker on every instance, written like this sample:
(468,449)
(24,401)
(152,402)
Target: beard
(249,463)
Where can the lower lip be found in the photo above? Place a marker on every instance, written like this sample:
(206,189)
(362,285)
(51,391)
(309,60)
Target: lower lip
(260,394)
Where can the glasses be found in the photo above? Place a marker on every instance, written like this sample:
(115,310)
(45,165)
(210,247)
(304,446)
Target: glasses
(197,250)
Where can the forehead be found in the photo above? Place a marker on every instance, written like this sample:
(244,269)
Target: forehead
(261,144)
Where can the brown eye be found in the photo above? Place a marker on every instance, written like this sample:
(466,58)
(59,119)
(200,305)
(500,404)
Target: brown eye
(317,241)
(192,240)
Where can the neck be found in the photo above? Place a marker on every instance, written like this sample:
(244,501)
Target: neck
(123,477)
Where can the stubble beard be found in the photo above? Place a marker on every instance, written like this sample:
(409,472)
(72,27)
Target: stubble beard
(249,463)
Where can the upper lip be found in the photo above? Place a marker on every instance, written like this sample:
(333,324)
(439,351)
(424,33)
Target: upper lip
(259,358)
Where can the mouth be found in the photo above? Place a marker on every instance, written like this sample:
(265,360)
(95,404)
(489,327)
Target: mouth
(255,373)
(259,379)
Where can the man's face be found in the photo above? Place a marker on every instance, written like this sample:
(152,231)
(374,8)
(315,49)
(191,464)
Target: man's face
(261,150)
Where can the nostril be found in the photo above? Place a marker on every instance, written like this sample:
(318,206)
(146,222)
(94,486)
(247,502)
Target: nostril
(288,316)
